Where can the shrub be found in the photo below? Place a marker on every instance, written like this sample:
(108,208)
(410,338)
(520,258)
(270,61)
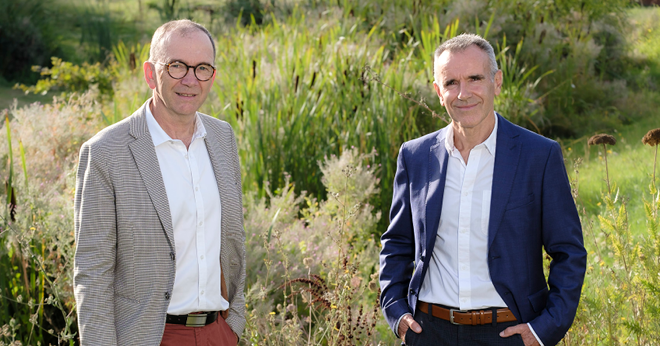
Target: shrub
(36,252)
(313,270)
(69,78)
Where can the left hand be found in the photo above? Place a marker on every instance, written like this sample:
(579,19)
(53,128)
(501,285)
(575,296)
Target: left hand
(523,329)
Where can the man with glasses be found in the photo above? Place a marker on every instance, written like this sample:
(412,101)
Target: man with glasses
(160,254)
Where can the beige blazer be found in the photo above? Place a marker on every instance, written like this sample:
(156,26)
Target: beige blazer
(125,255)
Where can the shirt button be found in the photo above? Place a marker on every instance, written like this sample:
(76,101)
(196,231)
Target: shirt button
(201,257)
(201,293)
(196,188)
(200,223)
(186,156)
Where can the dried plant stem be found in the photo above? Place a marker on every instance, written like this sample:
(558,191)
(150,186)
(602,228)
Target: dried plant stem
(607,173)
(655,162)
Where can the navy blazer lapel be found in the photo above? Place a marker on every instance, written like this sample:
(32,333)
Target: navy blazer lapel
(437,174)
(507,157)
(146,160)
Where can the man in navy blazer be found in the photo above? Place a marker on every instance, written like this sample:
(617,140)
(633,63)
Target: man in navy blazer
(474,205)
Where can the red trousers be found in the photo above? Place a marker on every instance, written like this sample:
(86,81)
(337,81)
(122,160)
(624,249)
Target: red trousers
(217,333)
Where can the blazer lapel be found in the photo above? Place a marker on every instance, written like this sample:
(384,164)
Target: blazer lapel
(437,174)
(507,156)
(144,153)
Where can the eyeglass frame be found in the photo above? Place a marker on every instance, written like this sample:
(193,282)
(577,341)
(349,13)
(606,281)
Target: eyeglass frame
(167,65)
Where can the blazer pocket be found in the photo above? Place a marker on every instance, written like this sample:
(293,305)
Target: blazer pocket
(513,204)
(539,299)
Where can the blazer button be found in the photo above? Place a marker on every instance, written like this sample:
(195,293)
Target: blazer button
(167,295)
(172,256)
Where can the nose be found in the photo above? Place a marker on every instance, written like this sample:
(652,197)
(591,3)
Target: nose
(189,78)
(464,91)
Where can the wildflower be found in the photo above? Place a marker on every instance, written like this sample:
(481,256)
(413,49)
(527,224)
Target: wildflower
(652,137)
(291,308)
(307,261)
(602,138)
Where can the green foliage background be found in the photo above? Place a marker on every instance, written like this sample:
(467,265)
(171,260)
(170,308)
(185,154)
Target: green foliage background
(308,86)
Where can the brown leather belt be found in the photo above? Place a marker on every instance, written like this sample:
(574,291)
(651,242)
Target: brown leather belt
(473,317)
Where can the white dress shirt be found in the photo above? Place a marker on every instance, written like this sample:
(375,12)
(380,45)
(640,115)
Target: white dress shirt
(458,274)
(194,201)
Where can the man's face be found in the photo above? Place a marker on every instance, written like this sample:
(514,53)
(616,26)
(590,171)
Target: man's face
(181,97)
(465,86)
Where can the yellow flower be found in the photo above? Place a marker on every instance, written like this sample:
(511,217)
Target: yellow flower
(272,313)
(333,306)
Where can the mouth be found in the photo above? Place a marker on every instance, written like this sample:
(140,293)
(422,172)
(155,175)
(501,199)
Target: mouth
(467,107)
(185,94)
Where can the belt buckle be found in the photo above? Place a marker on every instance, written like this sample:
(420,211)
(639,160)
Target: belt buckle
(196,320)
(451,315)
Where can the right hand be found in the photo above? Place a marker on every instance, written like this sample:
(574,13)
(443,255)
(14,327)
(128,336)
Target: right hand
(408,322)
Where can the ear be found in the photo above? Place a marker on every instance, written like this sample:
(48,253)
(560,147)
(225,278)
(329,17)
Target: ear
(498,82)
(149,74)
(437,91)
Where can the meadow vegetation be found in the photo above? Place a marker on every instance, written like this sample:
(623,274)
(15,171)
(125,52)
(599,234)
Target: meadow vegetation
(321,94)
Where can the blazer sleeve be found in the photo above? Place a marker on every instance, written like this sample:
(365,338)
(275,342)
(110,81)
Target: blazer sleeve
(398,247)
(562,239)
(94,262)
(236,317)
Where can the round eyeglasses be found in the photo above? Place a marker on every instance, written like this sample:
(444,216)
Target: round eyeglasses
(178,70)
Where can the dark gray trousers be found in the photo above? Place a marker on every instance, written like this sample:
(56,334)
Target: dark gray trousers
(438,332)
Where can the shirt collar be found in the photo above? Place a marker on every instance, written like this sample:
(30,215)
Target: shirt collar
(159,136)
(490,143)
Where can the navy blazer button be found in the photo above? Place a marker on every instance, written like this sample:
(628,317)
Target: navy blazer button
(172,256)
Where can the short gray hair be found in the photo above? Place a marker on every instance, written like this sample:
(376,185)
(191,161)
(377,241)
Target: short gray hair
(181,27)
(463,42)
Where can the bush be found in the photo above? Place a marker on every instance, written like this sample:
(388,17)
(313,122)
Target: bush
(69,78)
(313,277)
(36,252)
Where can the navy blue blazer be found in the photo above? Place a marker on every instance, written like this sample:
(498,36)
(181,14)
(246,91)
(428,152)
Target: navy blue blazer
(531,208)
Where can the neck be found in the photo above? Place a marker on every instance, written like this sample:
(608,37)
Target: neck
(467,138)
(179,127)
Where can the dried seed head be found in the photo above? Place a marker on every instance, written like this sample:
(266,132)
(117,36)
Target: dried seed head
(652,137)
(602,138)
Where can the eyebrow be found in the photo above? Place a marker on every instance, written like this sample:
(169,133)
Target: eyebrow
(474,77)
(181,60)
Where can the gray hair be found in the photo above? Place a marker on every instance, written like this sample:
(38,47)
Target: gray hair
(463,42)
(181,27)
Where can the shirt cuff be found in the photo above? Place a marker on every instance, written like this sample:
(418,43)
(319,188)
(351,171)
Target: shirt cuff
(396,326)
(533,332)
